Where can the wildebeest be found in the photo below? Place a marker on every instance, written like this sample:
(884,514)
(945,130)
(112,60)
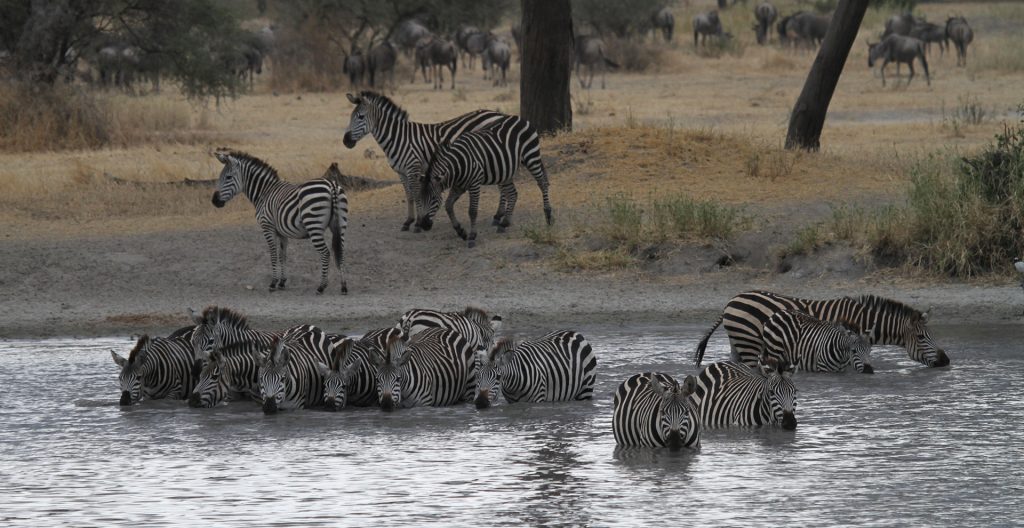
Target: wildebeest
(898,49)
(900,24)
(439,54)
(354,65)
(808,28)
(476,46)
(461,37)
(706,25)
(381,59)
(664,20)
(927,32)
(961,34)
(765,13)
(499,55)
(117,64)
(408,35)
(590,53)
(421,58)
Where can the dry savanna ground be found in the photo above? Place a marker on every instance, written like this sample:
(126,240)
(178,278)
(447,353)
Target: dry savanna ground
(699,127)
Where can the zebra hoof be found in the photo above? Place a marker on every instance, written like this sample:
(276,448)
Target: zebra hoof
(344,288)
(417,229)
(320,290)
(405,227)
(273,286)
(501,229)
(496,221)
(471,244)
(280,285)
(461,232)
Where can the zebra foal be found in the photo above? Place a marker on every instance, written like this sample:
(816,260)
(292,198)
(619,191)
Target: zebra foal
(289,376)
(730,393)
(653,410)
(349,377)
(475,324)
(286,210)
(560,366)
(814,345)
(478,158)
(436,368)
(157,368)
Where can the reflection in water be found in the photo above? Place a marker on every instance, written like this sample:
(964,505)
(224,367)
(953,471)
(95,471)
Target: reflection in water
(905,446)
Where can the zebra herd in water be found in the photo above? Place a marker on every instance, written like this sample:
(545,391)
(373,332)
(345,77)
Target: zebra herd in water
(434,358)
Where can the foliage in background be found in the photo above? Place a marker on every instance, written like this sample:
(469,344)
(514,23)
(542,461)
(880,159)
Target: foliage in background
(622,19)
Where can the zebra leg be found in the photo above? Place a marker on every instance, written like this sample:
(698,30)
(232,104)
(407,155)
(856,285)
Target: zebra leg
(536,167)
(316,236)
(508,192)
(474,206)
(409,205)
(271,238)
(449,207)
(283,259)
(501,210)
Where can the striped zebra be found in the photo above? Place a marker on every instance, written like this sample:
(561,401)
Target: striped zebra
(478,158)
(814,345)
(436,368)
(225,326)
(289,377)
(230,372)
(475,324)
(560,366)
(653,410)
(730,393)
(891,323)
(349,377)
(157,368)
(288,210)
(407,144)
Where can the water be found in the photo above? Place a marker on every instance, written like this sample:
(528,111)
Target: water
(908,446)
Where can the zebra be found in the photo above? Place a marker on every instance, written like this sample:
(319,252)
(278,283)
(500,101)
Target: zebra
(730,393)
(477,158)
(407,144)
(891,323)
(653,410)
(475,324)
(435,369)
(289,377)
(157,368)
(560,366)
(230,372)
(349,376)
(814,345)
(224,326)
(286,210)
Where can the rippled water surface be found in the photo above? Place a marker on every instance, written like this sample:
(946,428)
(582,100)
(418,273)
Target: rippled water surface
(908,446)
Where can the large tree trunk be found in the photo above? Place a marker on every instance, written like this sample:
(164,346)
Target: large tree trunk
(808,117)
(546,65)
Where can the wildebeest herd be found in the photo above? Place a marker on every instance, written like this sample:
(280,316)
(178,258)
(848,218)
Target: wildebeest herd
(436,358)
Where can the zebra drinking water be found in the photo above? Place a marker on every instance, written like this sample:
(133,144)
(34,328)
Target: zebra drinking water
(476,325)
(231,372)
(814,345)
(407,144)
(289,377)
(349,378)
(891,323)
(435,369)
(478,158)
(653,410)
(730,393)
(560,366)
(286,210)
(157,368)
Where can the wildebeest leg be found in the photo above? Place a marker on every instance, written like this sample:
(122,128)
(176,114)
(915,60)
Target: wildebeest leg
(884,63)
(454,66)
(911,66)
(604,72)
(590,78)
(695,35)
(927,76)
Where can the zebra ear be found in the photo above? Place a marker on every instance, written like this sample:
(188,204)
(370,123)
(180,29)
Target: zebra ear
(324,370)
(196,317)
(656,385)
(341,352)
(353,99)
(222,157)
(280,355)
(926,314)
(121,362)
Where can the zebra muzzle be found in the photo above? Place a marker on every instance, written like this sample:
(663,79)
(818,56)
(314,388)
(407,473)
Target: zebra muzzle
(788,421)
(269,406)
(941,359)
(217,202)
(674,440)
(126,398)
(348,141)
(195,401)
(483,400)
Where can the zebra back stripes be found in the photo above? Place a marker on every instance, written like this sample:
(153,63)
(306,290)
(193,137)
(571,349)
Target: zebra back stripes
(286,210)
(482,157)
(891,323)
(224,326)
(436,368)
(157,368)
(653,410)
(349,378)
(814,345)
(560,366)
(730,393)
(475,324)
(407,144)
(288,374)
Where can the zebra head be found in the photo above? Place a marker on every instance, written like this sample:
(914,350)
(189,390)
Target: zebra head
(359,122)
(896,323)
(273,375)
(435,179)
(338,375)
(859,349)
(675,410)
(919,344)
(132,371)
(212,387)
(779,390)
(488,324)
(490,367)
(391,363)
(230,180)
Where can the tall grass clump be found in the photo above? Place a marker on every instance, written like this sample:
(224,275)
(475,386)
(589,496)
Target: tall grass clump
(674,217)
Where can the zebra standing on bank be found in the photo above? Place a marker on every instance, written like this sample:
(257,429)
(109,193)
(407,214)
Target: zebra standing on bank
(475,324)
(478,158)
(349,377)
(157,368)
(436,369)
(653,410)
(891,323)
(730,393)
(560,366)
(407,144)
(814,345)
(289,377)
(287,210)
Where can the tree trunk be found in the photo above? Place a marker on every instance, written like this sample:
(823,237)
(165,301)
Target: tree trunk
(546,65)
(808,117)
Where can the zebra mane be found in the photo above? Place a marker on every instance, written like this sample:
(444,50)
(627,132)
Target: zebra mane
(215,314)
(849,325)
(477,315)
(505,344)
(874,302)
(139,345)
(385,103)
(249,159)
(340,353)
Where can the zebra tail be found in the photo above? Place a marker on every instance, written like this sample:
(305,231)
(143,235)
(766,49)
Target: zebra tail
(698,355)
(336,226)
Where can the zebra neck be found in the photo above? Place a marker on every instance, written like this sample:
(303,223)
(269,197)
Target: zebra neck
(390,131)
(259,185)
